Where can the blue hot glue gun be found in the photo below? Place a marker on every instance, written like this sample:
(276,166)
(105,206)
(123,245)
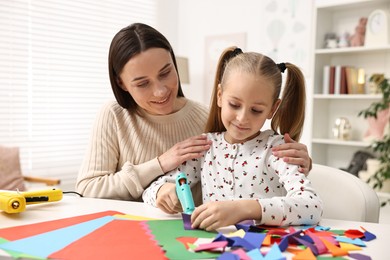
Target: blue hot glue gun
(184,194)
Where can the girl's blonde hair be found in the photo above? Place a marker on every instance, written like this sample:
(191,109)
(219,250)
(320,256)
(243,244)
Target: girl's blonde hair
(290,116)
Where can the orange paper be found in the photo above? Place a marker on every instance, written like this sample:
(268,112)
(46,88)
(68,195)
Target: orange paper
(334,250)
(306,254)
(349,247)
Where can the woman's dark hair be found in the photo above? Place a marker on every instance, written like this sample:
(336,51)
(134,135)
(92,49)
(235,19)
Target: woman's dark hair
(127,43)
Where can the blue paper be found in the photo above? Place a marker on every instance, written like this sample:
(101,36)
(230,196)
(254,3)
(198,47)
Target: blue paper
(228,256)
(274,253)
(255,239)
(356,241)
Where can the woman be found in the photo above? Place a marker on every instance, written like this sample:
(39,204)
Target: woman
(152,128)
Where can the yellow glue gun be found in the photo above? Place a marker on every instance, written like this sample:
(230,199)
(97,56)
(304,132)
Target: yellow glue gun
(15,202)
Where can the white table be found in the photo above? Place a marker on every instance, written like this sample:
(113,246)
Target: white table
(71,206)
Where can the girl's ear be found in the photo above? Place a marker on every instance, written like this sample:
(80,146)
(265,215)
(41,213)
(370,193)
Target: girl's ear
(274,108)
(219,96)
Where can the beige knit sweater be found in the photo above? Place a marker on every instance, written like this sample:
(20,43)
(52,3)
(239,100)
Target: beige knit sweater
(121,159)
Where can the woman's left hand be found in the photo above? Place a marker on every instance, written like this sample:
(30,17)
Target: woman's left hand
(294,153)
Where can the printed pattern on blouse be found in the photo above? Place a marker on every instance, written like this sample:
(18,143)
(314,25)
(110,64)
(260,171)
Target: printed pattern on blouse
(250,171)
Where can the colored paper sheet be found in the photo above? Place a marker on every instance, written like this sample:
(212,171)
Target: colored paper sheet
(166,233)
(338,232)
(321,233)
(43,245)
(255,254)
(132,217)
(368,236)
(359,256)
(213,246)
(11,254)
(349,247)
(2,252)
(274,253)
(222,237)
(19,232)
(242,254)
(312,247)
(186,221)
(186,241)
(356,241)
(353,233)
(285,240)
(321,248)
(306,254)
(294,250)
(255,239)
(267,240)
(244,227)
(229,256)
(240,242)
(321,228)
(330,258)
(119,239)
(238,233)
(334,250)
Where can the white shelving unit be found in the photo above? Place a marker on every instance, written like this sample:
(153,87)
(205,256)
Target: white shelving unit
(341,17)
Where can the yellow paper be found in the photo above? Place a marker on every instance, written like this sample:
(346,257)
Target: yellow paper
(238,233)
(349,247)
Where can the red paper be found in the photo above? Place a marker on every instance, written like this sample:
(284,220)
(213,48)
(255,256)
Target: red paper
(354,233)
(186,240)
(119,239)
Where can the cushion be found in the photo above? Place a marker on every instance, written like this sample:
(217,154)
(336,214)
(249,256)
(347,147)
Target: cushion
(10,172)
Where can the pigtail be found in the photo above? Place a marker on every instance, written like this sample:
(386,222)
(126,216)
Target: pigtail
(214,121)
(290,116)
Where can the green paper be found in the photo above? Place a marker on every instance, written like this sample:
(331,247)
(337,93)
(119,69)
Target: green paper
(337,232)
(166,232)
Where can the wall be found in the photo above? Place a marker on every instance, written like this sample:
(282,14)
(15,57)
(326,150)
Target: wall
(280,29)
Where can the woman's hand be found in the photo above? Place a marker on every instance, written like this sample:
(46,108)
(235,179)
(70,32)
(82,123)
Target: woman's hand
(189,149)
(294,153)
(167,199)
(216,214)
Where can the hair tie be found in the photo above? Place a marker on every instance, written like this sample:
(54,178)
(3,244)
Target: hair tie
(282,66)
(236,51)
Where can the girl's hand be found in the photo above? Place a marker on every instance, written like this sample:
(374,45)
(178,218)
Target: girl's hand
(294,153)
(167,199)
(216,214)
(189,149)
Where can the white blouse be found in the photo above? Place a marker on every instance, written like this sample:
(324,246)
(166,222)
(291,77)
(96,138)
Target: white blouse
(250,171)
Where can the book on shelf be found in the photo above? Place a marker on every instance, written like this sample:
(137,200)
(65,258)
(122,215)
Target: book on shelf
(325,80)
(331,79)
(352,76)
(338,79)
(343,81)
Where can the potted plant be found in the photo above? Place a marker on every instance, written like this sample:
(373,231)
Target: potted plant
(380,147)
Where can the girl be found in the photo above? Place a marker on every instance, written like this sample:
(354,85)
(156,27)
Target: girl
(241,178)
